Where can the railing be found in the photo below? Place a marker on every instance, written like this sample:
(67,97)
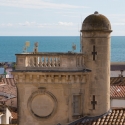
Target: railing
(43,61)
(47,61)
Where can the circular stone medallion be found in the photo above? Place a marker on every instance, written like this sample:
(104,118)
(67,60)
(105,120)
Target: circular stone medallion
(42,105)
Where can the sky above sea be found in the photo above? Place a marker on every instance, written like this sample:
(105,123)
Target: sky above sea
(57,17)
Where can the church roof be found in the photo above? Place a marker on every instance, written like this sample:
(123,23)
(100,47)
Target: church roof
(115,117)
(96,21)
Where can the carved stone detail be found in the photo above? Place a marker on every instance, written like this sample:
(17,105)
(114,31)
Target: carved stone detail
(51,78)
(42,104)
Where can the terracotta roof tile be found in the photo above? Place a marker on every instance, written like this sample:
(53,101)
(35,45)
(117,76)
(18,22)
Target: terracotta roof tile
(116,117)
(2,82)
(8,92)
(117,91)
(14,115)
(117,81)
(1,113)
(9,81)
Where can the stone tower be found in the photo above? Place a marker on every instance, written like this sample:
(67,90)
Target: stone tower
(59,88)
(95,44)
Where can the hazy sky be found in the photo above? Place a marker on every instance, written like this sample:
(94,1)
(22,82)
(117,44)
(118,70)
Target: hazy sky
(56,17)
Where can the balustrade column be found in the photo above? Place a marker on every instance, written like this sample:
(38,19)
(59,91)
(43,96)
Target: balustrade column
(79,60)
(40,61)
(28,61)
(53,64)
(58,61)
(31,62)
(35,59)
(49,61)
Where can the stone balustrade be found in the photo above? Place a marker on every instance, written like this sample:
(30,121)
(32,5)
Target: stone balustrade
(49,61)
(43,61)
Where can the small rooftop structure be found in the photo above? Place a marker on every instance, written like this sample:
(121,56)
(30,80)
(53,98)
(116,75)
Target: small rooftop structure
(96,22)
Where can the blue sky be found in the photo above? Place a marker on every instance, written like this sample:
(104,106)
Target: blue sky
(56,17)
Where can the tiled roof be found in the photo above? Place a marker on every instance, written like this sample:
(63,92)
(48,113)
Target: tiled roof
(5,96)
(2,82)
(117,91)
(2,108)
(9,81)
(88,119)
(9,86)
(14,115)
(117,81)
(117,88)
(1,113)
(116,117)
(8,91)
(2,98)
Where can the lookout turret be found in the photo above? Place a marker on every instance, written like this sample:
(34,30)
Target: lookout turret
(96,22)
(95,44)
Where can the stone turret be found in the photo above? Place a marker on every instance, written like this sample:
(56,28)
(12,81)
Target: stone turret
(95,44)
(59,88)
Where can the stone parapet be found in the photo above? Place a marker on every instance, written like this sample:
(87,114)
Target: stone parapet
(49,61)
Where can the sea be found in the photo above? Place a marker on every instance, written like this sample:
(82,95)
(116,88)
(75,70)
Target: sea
(11,45)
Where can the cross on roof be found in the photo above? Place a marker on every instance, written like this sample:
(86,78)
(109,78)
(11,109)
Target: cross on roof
(94,52)
(93,102)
